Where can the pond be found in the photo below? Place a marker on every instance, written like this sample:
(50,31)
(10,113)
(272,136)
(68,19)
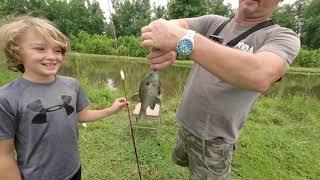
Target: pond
(106,71)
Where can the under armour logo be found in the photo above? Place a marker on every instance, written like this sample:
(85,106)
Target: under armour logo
(41,117)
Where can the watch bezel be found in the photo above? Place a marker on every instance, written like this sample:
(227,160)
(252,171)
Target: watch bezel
(185,50)
(189,38)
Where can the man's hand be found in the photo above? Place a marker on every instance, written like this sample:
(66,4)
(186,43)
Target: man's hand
(161,59)
(162,34)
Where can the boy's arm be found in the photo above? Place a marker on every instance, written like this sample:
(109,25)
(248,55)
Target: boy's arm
(8,165)
(93,115)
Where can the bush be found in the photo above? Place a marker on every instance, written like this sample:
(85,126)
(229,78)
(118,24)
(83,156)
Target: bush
(99,44)
(307,58)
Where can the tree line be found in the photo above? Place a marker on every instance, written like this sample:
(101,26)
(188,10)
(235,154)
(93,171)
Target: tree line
(77,17)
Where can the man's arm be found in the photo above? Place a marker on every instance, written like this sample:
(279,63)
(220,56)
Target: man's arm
(8,165)
(250,71)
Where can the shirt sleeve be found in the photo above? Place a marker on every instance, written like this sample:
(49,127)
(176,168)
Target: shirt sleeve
(283,42)
(204,24)
(82,100)
(8,122)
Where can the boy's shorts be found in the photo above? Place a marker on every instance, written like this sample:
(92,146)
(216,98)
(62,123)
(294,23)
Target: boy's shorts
(206,159)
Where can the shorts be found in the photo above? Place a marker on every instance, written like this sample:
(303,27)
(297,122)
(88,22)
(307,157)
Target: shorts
(206,159)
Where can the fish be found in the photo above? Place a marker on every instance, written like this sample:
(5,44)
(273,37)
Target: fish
(149,93)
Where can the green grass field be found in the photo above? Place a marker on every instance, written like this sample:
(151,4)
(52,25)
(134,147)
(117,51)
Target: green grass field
(280,140)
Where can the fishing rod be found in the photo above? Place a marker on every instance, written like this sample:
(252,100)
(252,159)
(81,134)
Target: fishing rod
(124,90)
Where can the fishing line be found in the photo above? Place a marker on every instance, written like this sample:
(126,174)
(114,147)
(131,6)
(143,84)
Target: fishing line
(124,88)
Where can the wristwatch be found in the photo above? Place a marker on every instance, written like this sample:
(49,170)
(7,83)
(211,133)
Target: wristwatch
(185,45)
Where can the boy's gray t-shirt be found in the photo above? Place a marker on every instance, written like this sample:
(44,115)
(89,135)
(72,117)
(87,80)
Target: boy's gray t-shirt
(42,120)
(211,107)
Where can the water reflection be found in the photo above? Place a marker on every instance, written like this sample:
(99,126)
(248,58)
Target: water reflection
(110,84)
(173,78)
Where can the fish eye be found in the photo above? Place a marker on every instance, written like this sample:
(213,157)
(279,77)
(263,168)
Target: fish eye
(147,83)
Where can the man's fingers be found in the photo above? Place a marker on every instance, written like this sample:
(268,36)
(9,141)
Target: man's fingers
(162,57)
(147,43)
(146,29)
(146,36)
(155,53)
(122,99)
(161,66)
(163,61)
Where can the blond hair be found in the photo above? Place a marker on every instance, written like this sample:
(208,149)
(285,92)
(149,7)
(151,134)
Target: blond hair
(13,29)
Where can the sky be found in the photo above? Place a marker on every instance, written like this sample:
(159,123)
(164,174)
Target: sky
(105,4)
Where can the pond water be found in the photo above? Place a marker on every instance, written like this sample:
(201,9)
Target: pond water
(173,78)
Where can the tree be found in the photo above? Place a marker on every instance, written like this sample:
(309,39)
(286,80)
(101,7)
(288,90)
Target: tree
(186,8)
(217,7)
(130,16)
(12,7)
(286,16)
(311,28)
(189,8)
(159,12)
(96,19)
(71,16)
(300,7)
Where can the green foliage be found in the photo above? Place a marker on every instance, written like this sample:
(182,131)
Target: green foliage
(133,44)
(311,28)
(99,97)
(285,16)
(217,7)
(159,12)
(291,15)
(307,58)
(130,16)
(99,44)
(184,9)
(70,16)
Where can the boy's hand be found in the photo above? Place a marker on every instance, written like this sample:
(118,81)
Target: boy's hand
(118,104)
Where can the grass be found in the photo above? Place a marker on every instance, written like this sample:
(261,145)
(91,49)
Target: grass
(280,140)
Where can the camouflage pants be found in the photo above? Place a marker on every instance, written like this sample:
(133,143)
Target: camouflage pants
(206,159)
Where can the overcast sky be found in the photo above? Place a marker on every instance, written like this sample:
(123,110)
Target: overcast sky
(105,4)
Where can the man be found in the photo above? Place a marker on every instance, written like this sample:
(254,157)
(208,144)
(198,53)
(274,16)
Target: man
(225,80)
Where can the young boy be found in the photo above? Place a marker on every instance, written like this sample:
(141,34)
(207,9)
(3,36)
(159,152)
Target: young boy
(39,111)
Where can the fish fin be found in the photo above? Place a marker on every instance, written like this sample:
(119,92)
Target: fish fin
(159,89)
(135,97)
(157,101)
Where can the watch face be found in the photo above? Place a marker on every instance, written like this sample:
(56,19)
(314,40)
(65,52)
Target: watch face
(185,46)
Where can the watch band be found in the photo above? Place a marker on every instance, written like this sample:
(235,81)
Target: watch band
(190,34)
